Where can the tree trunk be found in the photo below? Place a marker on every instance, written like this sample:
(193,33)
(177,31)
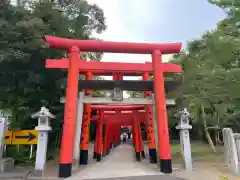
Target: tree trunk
(209,139)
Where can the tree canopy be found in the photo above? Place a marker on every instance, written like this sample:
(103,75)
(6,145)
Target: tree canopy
(25,83)
(211,77)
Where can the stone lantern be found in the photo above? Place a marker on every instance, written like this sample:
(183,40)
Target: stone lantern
(43,128)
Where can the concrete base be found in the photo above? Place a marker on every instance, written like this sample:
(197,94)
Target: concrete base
(37,173)
(7,164)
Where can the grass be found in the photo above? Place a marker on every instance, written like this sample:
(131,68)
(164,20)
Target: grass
(200,153)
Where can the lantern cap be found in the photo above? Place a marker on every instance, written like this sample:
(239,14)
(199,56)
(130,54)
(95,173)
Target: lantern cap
(43,112)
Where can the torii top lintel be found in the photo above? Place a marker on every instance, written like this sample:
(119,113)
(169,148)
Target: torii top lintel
(112,47)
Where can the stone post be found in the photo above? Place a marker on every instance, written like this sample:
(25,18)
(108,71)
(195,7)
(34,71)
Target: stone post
(237,140)
(77,141)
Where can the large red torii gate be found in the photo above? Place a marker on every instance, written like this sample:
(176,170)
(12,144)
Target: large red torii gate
(74,65)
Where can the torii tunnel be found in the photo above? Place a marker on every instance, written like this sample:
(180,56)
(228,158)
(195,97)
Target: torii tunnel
(114,116)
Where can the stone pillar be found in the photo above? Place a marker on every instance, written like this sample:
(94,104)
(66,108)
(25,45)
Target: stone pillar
(76,151)
(237,139)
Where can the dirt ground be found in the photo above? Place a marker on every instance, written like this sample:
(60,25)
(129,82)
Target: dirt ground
(209,171)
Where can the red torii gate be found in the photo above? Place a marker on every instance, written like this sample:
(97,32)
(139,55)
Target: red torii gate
(74,65)
(127,115)
(118,119)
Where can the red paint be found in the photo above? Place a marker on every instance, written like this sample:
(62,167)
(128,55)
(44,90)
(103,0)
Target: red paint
(97,135)
(112,47)
(88,77)
(106,134)
(146,77)
(160,103)
(109,136)
(86,119)
(149,118)
(150,127)
(70,109)
(116,107)
(117,76)
(112,67)
(100,133)
(118,118)
(124,112)
(136,133)
(133,134)
(139,135)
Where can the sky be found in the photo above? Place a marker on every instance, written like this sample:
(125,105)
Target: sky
(156,21)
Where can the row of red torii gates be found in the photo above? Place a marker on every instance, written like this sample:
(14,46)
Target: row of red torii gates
(112,120)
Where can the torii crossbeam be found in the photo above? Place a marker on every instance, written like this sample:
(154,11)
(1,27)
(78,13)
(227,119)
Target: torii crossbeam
(112,67)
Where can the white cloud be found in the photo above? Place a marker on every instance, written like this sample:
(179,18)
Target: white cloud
(118,30)
(119,15)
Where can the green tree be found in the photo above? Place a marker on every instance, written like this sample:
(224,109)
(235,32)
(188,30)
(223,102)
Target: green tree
(211,75)
(25,83)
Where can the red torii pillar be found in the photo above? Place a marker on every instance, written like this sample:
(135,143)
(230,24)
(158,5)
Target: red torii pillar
(95,148)
(73,47)
(66,153)
(161,111)
(116,128)
(99,141)
(150,126)
(106,136)
(136,136)
(85,127)
(116,135)
(140,138)
(110,138)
